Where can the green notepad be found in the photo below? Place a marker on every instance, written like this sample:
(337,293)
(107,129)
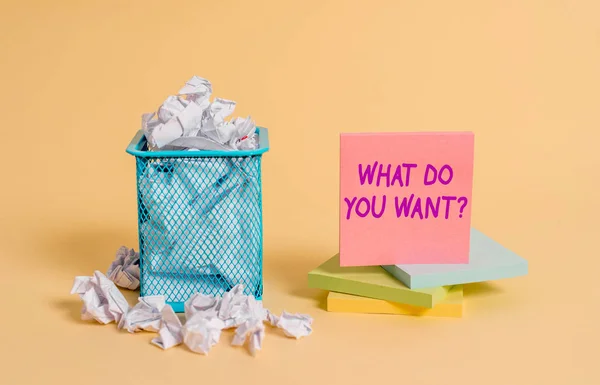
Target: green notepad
(371,282)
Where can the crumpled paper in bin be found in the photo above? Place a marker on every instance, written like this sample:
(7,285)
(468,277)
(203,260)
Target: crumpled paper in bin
(189,121)
(192,203)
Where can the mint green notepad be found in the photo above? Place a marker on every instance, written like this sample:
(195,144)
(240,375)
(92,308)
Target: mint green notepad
(488,260)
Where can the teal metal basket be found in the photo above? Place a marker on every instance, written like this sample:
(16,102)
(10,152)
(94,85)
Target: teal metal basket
(199,220)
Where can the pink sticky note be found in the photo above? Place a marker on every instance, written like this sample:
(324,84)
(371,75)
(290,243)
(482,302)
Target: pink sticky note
(405,198)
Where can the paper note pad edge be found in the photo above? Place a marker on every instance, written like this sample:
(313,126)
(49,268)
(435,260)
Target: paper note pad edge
(451,307)
(409,297)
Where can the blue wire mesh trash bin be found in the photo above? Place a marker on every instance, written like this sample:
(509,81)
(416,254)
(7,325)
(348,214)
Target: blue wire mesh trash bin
(199,220)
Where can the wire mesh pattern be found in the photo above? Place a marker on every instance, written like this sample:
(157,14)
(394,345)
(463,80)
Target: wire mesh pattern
(200,225)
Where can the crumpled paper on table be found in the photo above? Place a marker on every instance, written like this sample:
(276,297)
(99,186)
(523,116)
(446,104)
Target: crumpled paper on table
(153,314)
(294,325)
(102,300)
(207,316)
(254,329)
(189,121)
(125,269)
(145,315)
(170,332)
(201,333)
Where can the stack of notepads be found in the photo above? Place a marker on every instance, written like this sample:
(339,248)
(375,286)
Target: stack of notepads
(424,290)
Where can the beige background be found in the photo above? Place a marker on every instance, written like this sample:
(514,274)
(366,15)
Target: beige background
(523,75)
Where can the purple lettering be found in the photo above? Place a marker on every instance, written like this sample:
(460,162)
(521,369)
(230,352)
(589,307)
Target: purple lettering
(404,206)
(432,181)
(430,207)
(448,199)
(384,174)
(398,176)
(375,214)
(350,204)
(417,209)
(445,167)
(464,201)
(408,166)
(366,201)
(369,173)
